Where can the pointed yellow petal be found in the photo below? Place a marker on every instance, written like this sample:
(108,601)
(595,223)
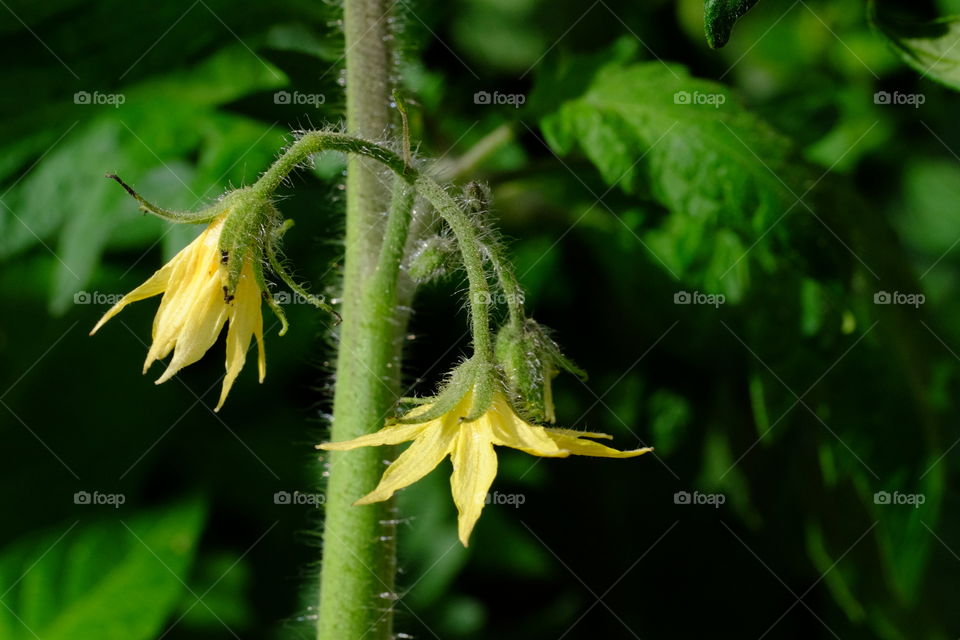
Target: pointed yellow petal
(261,354)
(205,319)
(196,267)
(394,434)
(193,268)
(155,284)
(245,320)
(581,434)
(584,447)
(420,458)
(474,468)
(510,430)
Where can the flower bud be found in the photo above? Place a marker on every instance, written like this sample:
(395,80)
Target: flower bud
(530,359)
(432,259)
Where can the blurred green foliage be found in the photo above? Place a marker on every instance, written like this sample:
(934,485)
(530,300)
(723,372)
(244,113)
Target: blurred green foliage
(626,180)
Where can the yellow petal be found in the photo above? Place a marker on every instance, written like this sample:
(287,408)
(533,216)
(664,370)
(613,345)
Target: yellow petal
(474,468)
(581,434)
(261,354)
(196,268)
(509,430)
(426,452)
(584,447)
(245,320)
(205,318)
(394,434)
(155,284)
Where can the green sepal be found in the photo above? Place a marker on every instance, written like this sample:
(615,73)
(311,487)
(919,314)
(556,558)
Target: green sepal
(482,378)
(243,237)
(270,249)
(181,217)
(458,384)
(487,381)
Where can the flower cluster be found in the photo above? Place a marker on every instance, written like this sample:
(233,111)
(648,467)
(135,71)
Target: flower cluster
(498,397)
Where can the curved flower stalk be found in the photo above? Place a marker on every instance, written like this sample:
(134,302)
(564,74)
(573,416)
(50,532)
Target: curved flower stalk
(214,281)
(466,424)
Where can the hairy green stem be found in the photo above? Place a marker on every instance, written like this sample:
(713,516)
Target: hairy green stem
(509,284)
(462,226)
(470,249)
(357,575)
(478,202)
(311,142)
(356,585)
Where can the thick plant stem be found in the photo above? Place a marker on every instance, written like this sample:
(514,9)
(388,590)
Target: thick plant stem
(356,580)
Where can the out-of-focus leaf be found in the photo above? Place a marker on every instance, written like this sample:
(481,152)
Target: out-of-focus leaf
(928,223)
(703,154)
(726,176)
(222,580)
(298,37)
(116,579)
(669,419)
(490,32)
(159,121)
(719,16)
(930,47)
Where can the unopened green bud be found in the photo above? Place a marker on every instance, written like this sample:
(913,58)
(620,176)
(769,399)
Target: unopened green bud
(476,197)
(432,259)
(530,359)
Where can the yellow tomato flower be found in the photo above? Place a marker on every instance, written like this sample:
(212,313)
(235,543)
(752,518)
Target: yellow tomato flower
(196,304)
(470,447)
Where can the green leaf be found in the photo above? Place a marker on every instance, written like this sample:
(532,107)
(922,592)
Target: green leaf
(114,579)
(670,416)
(719,16)
(161,122)
(725,176)
(651,126)
(223,579)
(930,47)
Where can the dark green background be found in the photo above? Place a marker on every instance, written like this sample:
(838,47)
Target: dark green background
(607,223)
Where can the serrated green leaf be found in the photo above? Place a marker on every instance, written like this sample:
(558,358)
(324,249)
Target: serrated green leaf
(719,16)
(726,176)
(114,579)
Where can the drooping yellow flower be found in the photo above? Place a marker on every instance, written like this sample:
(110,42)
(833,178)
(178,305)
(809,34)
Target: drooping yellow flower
(470,447)
(196,303)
